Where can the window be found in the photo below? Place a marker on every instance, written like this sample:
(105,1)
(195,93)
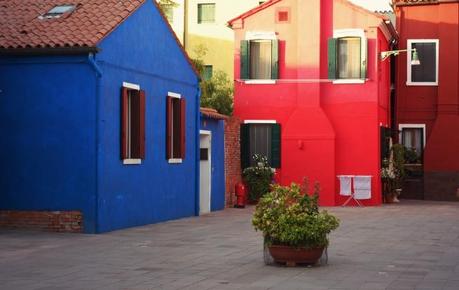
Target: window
(57,11)
(208,72)
(259,59)
(175,128)
(347,56)
(412,136)
(132,124)
(206,13)
(426,73)
(263,139)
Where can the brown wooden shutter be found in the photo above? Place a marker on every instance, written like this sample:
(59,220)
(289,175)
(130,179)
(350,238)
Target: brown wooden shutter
(124,122)
(168,127)
(142,124)
(135,124)
(182,128)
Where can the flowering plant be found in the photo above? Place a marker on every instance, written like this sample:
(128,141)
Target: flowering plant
(258,177)
(290,216)
(388,171)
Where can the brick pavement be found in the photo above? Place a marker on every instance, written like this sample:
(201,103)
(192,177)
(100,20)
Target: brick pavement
(412,245)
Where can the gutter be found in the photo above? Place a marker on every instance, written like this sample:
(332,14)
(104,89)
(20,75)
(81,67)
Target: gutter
(98,71)
(49,51)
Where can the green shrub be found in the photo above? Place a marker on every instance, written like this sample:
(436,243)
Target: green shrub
(288,216)
(258,178)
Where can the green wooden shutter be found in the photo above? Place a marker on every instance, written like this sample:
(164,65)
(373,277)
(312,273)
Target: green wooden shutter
(245,59)
(275,146)
(245,145)
(274,59)
(363,59)
(332,56)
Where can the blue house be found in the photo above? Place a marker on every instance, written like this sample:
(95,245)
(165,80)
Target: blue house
(99,112)
(212,161)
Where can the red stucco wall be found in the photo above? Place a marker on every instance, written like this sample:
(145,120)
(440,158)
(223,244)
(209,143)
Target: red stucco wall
(435,106)
(327,129)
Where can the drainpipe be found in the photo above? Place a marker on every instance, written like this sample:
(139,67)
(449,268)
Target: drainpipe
(93,64)
(198,126)
(185,24)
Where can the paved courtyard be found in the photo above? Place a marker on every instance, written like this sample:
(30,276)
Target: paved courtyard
(412,245)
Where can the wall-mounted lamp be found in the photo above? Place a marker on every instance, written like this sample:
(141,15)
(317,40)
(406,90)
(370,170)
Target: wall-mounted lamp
(414,55)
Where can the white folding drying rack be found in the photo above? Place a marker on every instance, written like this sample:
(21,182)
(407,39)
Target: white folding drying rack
(362,188)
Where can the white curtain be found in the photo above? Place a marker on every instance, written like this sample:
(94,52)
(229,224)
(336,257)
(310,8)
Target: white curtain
(260,59)
(349,58)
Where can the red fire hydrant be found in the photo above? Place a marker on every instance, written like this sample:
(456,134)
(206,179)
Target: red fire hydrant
(241,195)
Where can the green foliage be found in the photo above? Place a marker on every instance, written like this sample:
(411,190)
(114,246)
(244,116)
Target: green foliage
(258,178)
(289,216)
(398,151)
(411,156)
(216,92)
(167,3)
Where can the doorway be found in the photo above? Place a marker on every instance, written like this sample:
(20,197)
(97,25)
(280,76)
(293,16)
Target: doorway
(205,171)
(412,136)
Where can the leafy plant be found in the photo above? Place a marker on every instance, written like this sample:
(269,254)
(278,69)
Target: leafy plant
(398,151)
(216,92)
(258,178)
(289,216)
(411,156)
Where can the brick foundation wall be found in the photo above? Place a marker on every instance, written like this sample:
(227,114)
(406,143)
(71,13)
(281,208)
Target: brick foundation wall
(51,221)
(441,186)
(232,158)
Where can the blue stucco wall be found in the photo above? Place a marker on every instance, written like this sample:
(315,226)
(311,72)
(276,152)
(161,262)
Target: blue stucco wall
(47,148)
(217,128)
(143,51)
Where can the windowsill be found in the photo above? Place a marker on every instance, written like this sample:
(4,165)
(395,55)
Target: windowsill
(175,161)
(433,84)
(131,161)
(260,82)
(349,81)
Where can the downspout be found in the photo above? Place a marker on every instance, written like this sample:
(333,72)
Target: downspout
(185,24)
(198,126)
(93,64)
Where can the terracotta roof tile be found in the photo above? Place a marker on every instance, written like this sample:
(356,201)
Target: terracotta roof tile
(86,26)
(212,113)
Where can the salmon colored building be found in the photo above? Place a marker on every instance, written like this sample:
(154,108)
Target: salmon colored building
(428,96)
(312,91)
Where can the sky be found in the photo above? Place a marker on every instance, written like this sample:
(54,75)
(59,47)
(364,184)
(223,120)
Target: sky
(373,5)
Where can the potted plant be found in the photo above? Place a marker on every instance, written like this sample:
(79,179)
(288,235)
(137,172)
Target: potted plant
(258,178)
(388,180)
(294,229)
(398,151)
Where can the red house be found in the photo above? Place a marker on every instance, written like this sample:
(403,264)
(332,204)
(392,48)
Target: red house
(312,91)
(427,96)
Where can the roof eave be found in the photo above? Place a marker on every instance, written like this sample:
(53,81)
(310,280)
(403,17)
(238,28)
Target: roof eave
(32,51)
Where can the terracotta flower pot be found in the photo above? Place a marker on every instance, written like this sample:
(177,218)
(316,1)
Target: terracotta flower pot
(292,256)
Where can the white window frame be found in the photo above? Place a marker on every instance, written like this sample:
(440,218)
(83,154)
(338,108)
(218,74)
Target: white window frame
(353,32)
(261,122)
(130,161)
(215,13)
(173,160)
(413,126)
(408,62)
